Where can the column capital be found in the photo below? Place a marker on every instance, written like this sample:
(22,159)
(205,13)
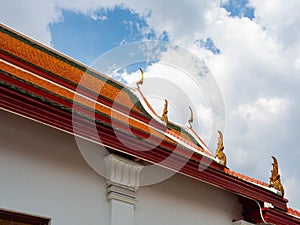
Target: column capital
(122,178)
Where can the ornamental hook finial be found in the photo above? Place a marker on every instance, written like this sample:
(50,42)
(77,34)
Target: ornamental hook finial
(191,120)
(275,181)
(140,82)
(219,153)
(164,116)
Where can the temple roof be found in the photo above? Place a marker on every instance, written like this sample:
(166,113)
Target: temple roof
(49,87)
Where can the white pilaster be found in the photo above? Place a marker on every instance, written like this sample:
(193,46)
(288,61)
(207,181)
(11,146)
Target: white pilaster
(122,184)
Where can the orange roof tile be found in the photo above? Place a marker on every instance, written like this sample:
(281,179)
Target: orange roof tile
(84,101)
(63,69)
(293,212)
(186,140)
(245,178)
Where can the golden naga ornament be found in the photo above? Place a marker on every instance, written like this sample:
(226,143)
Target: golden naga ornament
(219,153)
(191,120)
(164,116)
(275,177)
(141,81)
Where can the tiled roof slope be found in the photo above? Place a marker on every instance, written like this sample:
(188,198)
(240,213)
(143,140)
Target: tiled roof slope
(64,71)
(74,76)
(293,212)
(40,77)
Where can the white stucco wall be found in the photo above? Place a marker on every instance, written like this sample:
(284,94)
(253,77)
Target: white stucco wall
(182,200)
(42,172)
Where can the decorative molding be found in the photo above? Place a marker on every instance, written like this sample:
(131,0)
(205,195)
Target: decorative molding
(268,205)
(164,116)
(122,178)
(121,194)
(191,120)
(275,181)
(141,81)
(219,152)
(122,171)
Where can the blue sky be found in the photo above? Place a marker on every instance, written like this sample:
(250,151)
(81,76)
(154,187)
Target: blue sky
(251,47)
(239,8)
(85,38)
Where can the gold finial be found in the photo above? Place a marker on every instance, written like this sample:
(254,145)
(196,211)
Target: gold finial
(219,153)
(141,80)
(191,120)
(164,115)
(275,178)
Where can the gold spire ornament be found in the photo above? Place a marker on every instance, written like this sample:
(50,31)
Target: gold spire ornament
(275,177)
(219,153)
(164,116)
(191,120)
(141,81)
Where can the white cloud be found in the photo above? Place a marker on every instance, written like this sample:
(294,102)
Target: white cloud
(281,21)
(263,109)
(30,17)
(94,16)
(291,184)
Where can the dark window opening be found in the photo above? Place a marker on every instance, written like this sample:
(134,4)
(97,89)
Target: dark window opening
(15,218)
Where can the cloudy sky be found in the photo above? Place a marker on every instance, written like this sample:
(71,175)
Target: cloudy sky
(251,47)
